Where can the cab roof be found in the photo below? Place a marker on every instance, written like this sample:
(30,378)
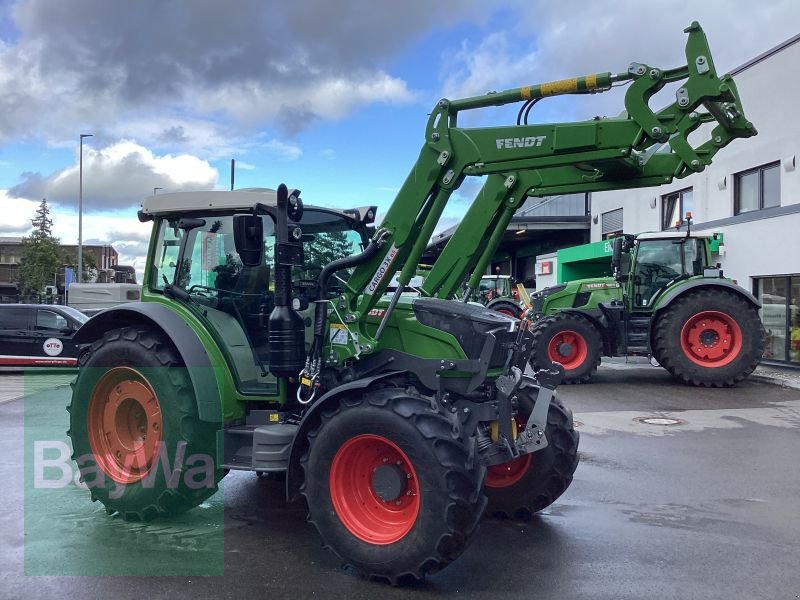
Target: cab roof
(671,235)
(226,201)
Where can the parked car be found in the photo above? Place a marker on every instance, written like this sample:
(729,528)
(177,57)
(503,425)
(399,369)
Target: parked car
(39,335)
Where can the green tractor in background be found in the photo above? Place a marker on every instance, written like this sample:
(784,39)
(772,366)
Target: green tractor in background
(498,292)
(665,300)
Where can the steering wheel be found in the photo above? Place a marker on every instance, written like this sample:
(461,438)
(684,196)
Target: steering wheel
(653,270)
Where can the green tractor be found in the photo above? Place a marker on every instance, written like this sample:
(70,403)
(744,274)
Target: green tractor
(265,341)
(498,292)
(666,300)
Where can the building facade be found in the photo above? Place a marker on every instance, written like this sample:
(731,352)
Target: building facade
(751,193)
(11,253)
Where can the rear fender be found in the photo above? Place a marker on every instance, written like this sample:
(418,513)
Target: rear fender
(185,340)
(294,477)
(679,290)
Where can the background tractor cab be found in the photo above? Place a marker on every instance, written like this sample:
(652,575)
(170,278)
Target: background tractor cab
(499,292)
(660,302)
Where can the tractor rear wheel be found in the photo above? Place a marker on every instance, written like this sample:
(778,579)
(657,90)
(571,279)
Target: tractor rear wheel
(570,340)
(530,483)
(709,338)
(391,488)
(139,445)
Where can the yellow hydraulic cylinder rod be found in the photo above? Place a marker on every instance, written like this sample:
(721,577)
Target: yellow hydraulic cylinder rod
(575,85)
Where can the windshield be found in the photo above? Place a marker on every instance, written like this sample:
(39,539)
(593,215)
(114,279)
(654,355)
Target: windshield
(659,262)
(211,262)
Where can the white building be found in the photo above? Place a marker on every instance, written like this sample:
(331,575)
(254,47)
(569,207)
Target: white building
(751,193)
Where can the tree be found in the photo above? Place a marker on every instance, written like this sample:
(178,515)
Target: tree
(326,248)
(42,254)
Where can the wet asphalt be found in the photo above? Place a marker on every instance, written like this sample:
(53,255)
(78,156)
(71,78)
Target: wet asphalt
(707,508)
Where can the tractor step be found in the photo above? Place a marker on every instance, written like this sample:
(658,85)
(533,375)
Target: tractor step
(637,339)
(258,447)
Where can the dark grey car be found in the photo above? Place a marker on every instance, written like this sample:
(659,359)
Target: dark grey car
(39,335)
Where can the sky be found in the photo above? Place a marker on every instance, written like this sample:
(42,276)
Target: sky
(328,97)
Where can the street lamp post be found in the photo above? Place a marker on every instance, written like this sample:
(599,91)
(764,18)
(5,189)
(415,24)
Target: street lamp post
(155,189)
(80,209)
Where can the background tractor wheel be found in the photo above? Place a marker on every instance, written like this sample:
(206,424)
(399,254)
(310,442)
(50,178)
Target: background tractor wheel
(133,411)
(710,338)
(507,307)
(390,487)
(568,339)
(530,483)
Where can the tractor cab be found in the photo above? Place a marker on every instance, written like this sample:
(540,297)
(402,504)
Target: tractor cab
(655,261)
(216,253)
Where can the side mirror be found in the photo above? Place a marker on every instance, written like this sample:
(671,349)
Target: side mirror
(248,238)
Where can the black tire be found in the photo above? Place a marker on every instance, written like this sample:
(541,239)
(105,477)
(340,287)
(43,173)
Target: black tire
(547,328)
(146,358)
(507,307)
(668,349)
(547,475)
(449,492)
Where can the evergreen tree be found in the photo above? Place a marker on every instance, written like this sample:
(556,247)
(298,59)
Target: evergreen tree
(42,254)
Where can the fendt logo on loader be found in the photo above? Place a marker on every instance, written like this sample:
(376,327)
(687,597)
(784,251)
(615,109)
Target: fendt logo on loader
(520,142)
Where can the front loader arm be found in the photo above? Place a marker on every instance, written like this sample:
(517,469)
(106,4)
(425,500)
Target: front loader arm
(640,148)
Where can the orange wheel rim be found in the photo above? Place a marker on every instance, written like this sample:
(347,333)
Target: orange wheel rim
(371,516)
(568,348)
(508,473)
(711,339)
(125,425)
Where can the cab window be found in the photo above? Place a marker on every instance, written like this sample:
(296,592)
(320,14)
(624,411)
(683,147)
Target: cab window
(658,262)
(13,318)
(49,320)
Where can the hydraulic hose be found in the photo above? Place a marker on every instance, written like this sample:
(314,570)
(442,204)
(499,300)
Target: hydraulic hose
(321,311)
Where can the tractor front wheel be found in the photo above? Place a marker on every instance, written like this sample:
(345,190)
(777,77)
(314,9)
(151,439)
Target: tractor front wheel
(530,483)
(136,437)
(570,340)
(391,488)
(710,338)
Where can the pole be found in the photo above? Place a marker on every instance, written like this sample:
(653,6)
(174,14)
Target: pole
(155,189)
(80,208)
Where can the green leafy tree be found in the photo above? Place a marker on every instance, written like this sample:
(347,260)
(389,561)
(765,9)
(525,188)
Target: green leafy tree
(42,254)
(326,248)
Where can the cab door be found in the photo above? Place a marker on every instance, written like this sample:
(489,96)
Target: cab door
(50,339)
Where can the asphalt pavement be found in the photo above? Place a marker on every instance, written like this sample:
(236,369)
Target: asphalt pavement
(702,504)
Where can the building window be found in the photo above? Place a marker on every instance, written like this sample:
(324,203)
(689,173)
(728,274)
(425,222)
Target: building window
(757,189)
(674,207)
(780,313)
(612,223)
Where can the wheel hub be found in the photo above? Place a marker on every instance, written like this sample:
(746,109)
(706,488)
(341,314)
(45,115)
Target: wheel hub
(565,349)
(709,338)
(389,482)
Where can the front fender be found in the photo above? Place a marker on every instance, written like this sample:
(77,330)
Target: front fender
(185,340)
(311,418)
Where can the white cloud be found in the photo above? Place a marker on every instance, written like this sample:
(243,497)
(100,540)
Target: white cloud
(245,166)
(119,175)
(554,40)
